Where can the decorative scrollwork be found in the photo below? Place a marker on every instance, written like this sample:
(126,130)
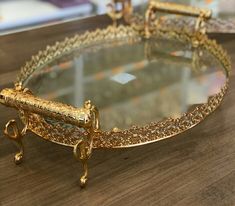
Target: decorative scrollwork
(125,11)
(82,151)
(13,132)
(83,148)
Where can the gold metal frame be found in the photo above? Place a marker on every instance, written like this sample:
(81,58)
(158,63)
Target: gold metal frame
(33,110)
(201,14)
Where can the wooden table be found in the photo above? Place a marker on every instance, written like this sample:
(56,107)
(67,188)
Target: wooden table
(196,168)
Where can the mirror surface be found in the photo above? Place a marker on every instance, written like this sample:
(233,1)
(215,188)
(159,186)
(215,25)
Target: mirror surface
(132,82)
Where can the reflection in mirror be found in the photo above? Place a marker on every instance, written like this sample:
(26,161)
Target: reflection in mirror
(132,83)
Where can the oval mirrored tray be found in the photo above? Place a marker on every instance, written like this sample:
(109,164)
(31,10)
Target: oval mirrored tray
(133,83)
(122,86)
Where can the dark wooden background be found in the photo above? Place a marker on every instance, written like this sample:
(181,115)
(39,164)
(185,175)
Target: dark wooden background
(196,168)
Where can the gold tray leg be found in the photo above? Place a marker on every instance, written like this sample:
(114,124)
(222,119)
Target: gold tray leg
(83,148)
(82,151)
(12,132)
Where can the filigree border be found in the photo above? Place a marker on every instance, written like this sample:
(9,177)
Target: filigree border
(135,135)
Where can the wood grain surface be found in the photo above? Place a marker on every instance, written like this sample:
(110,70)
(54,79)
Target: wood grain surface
(196,168)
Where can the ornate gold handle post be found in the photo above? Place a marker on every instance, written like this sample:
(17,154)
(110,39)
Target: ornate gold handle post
(172,8)
(83,149)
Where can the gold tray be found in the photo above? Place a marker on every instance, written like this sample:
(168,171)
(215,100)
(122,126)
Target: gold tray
(147,81)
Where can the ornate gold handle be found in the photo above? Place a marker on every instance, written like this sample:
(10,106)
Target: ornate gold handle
(24,101)
(172,8)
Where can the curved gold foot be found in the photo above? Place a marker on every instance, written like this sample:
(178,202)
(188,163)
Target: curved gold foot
(84,177)
(12,132)
(82,153)
(19,156)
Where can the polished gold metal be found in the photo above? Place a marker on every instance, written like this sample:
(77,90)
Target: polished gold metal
(85,134)
(16,135)
(29,105)
(202,15)
(82,151)
(125,12)
(24,101)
